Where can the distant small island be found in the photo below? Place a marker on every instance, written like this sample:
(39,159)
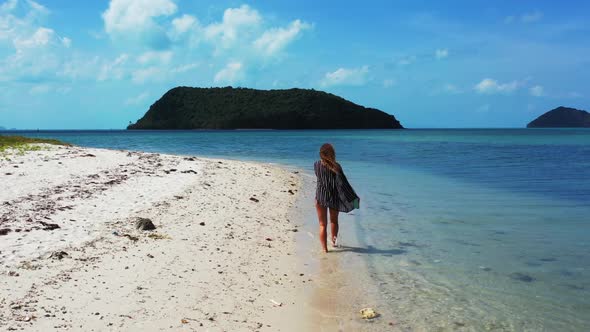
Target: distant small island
(243,108)
(562,117)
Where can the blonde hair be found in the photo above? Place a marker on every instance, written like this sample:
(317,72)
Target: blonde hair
(328,157)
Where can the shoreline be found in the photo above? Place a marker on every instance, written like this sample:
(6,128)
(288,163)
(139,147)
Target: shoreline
(187,276)
(342,282)
(437,265)
(218,259)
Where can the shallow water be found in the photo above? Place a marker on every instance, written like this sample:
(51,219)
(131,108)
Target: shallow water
(460,229)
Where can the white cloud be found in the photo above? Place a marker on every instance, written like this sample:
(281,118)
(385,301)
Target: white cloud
(388,83)
(39,89)
(155,57)
(186,31)
(531,17)
(97,34)
(154,74)
(274,40)
(81,66)
(30,51)
(113,70)
(34,7)
(231,73)
(451,88)
(137,19)
(184,23)
(184,68)
(64,90)
(22,21)
(525,18)
(537,91)
(137,100)
(38,7)
(441,53)
(67,42)
(158,72)
(41,37)
(39,53)
(235,21)
(8,5)
(346,76)
(490,86)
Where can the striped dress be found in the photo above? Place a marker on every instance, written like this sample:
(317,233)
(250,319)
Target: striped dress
(333,190)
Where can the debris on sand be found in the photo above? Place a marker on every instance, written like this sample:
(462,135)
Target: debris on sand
(368,313)
(49,226)
(275,303)
(131,237)
(157,236)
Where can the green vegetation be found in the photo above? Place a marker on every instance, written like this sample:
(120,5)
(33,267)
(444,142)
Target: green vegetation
(242,108)
(21,144)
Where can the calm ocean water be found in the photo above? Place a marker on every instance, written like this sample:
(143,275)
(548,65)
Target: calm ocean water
(483,229)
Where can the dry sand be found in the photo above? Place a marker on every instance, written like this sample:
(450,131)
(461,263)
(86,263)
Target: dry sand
(222,257)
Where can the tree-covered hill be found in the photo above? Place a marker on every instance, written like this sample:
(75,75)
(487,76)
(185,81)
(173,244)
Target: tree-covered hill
(242,108)
(562,117)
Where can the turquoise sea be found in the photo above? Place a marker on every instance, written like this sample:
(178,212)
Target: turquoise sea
(474,229)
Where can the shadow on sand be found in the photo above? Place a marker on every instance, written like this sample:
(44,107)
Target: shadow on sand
(370,250)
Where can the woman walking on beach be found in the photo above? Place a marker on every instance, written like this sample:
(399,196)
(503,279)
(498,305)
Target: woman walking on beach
(333,193)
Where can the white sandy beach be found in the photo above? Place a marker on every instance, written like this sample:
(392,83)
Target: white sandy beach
(222,257)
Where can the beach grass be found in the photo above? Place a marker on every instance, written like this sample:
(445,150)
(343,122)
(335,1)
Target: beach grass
(21,144)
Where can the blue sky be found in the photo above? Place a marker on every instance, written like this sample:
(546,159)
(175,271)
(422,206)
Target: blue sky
(100,64)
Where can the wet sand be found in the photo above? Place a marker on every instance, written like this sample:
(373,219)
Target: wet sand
(341,279)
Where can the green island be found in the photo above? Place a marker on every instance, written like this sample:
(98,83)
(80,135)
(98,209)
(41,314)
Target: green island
(244,108)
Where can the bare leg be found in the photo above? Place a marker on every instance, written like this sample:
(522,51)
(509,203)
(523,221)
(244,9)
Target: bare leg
(322,217)
(334,225)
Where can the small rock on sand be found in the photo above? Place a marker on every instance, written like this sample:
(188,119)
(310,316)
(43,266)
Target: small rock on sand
(144,224)
(58,255)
